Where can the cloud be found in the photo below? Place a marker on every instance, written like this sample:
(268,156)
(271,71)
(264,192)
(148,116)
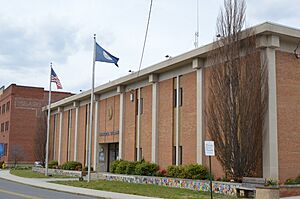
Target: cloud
(36,44)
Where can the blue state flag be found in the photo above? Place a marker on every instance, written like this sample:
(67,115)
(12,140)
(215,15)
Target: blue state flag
(104,56)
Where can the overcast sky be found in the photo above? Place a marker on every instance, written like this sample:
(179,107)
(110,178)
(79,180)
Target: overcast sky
(34,33)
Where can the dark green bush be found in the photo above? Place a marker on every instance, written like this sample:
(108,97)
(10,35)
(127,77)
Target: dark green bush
(114,166)
(191,171)
(146,169)
(195,171)
(1,163)
(121,168)
(293,181)
(71,165)
(130,168)
(53,164)
(175,171)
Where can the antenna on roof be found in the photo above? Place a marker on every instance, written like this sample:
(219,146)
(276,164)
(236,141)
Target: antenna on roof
(196,43)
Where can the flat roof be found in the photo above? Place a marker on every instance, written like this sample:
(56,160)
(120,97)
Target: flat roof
(174,62)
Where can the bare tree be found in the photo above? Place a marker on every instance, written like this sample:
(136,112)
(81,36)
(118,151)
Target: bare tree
(17,154)
(237,100)
(40,138)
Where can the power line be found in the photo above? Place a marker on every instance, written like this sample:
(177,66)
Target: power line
(145,39)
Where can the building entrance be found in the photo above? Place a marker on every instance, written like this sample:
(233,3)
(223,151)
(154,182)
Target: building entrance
(108,152)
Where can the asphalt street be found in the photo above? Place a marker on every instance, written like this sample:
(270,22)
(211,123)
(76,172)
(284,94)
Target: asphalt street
(12,190)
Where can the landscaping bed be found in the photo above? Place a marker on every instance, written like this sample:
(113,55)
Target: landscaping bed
(142,189)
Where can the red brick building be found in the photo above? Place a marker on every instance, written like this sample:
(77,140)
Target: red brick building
(160,115)
(22,122)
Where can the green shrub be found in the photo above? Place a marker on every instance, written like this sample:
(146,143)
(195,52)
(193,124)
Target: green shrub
(71,165)
(114,166)
(195,171)
(191,171)
(293,181)
(53,164)
(146,169)
(121,167)
(175,171)
(1,163)
(130,168)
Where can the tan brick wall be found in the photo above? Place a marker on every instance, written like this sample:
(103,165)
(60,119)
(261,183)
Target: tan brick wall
(108,124)
(64,138)
(57,136)
(165,123)
(288,114)
(146,123)
(188,114)
(72,135)
(81,135)
(129,127)
(51,138)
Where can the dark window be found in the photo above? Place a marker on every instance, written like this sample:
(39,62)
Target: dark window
(5,150)
(175,97)
(6,126)
(7,106)
(180,155)
(2,127)
(141,106)
(174,155)
(0,109)
(3,108)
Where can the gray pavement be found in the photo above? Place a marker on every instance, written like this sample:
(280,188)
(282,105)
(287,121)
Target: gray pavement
(45,184)
(13,190)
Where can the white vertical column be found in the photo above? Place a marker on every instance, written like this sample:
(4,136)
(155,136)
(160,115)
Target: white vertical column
(76,105)
(154,144)
(199,64)
(60,110)
(120,90)
(177,121)
(270,138)
(97,98)
(138,126)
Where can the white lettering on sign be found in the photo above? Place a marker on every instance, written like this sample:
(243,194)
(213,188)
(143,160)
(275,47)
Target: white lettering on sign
(209,148)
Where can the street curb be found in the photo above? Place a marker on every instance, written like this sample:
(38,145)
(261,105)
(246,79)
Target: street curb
(121,195)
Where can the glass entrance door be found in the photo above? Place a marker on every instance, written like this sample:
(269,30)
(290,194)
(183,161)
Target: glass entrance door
(113,153)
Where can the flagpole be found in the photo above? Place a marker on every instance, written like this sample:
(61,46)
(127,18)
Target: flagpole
(91,113)
(48,125)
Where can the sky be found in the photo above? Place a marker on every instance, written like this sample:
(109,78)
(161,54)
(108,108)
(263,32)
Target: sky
(34,33)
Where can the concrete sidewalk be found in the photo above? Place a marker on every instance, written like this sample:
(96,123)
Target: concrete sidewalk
(45,183)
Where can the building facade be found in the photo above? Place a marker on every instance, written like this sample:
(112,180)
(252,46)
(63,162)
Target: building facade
(159,115)
(23,123)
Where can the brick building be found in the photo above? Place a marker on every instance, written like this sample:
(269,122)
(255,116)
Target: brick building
(160,115)
(23,123)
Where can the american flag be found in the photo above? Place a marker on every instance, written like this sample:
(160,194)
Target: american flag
(55,79)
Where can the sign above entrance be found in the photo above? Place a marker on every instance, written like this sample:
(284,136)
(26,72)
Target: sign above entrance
(209,148)
(109,133)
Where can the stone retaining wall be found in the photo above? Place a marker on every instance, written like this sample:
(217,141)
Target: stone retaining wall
(197,185)
(75,174)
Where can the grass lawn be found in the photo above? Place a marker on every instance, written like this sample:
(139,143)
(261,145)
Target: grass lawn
(141,189)
(28,173)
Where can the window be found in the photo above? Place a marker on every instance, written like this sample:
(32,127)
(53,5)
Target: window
(175,97)
(7,106)
(5,150)
(141,106)
(0,109)
(6,125)
(179,156)
(3,108)
(2,127)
